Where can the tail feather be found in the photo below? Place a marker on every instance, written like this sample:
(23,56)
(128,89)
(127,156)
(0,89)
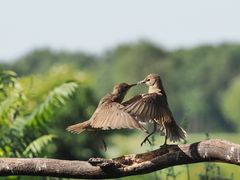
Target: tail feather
(78,128)
(174,132)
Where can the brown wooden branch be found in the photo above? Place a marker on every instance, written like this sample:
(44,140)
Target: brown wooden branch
(214,150)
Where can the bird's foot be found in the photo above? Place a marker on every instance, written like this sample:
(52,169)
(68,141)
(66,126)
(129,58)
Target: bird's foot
(164,146)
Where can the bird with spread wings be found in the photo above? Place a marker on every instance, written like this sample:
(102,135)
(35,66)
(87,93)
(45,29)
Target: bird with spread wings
(153,107)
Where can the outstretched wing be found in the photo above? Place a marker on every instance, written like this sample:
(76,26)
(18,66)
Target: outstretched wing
(113,116)
(146,107)
(132,100)
(154,106)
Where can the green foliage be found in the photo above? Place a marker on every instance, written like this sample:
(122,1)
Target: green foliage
(55,99)
(127,63)
(36,146)
(11,98)
(75,146)
(7,79)
(230,102)
(195,79)
(202,85)
(21,135)
(42,60)
(213,171)
(79,108)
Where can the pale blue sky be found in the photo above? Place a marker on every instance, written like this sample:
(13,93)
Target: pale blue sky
(95,26)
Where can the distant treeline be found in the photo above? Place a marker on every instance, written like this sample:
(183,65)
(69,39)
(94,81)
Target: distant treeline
(202,83)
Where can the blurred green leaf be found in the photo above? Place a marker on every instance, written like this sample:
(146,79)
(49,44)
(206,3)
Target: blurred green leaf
(37,146)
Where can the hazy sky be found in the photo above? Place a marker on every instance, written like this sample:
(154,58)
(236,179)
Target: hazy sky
(95,26)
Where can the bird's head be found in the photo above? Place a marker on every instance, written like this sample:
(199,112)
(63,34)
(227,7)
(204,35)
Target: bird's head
(122,88)
(150,80)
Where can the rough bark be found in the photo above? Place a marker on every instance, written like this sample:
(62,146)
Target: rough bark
(214,150)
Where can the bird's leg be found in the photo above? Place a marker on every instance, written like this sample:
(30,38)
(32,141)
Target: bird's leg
(104,145)
(146,138)
(101,139)
(165,143)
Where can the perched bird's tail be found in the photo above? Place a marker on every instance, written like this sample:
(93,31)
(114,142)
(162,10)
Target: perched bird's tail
(174,132)
(78,128)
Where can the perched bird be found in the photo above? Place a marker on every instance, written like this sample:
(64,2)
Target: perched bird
(109,113)
(153,107)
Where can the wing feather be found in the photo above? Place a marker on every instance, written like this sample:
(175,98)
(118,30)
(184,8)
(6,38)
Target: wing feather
(113,116)
(148,107)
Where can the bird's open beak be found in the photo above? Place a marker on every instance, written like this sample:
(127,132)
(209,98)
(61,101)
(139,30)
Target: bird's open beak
(131,85)
(141,82)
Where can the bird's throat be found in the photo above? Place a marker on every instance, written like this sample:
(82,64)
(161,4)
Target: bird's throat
(154,89)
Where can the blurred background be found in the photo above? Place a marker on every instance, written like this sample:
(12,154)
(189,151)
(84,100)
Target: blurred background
(58,58)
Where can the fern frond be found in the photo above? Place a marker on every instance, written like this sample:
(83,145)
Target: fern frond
(37,146)
(18,134)
(7,78)
(56,98)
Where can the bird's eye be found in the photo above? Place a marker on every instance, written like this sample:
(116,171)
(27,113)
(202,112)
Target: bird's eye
(148,80)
